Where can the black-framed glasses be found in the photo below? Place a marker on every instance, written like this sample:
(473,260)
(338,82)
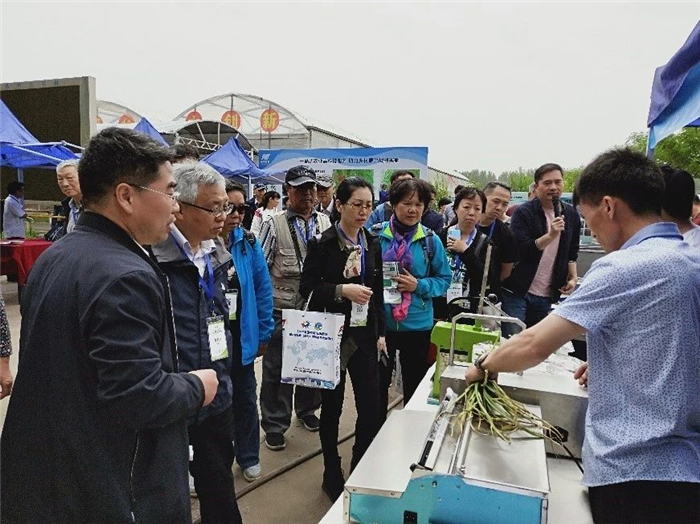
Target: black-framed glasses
(216,212)
(241,209)
(172,196)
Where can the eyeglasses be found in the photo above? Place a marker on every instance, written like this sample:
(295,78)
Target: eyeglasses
(172,196)
(357,206)
(240,209)
(216,212)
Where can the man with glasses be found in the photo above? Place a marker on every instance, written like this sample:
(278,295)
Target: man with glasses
(284,239)
(196,263)
(96,425)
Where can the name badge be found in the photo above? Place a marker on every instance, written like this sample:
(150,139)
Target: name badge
(454,291)
(358,314)
(232,302)
(217,338)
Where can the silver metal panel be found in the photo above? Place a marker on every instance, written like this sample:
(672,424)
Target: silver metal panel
(563,401)
(385,467)
(520,464)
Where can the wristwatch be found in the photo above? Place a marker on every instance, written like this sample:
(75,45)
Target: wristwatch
(479,361)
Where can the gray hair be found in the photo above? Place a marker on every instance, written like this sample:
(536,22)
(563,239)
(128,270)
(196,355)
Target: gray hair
(190,176)
(67,163)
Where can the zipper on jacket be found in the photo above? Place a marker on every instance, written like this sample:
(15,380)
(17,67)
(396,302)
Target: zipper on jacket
(131,478)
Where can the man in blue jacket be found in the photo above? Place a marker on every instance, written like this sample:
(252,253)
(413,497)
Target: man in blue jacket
(95,430)
(251,326)
(196,263)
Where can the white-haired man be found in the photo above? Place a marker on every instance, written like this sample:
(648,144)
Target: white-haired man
(69,184)
(196,263)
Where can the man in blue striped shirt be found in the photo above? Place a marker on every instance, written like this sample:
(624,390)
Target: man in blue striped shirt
(640,308)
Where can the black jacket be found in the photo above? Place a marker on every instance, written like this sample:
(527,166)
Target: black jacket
(191,308)
(474,260)
(95,429)
(528,223)
(323,271)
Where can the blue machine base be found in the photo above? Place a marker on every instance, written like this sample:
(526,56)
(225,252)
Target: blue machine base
(447,499)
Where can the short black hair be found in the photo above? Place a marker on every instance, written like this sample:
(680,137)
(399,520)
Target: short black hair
(406,188)
(182,151)
(397,174)
(624,174)
(493,185)
(469,193)
(115,156)
(444,201)
(547,168)
(349,185)
(679,193)
(14,186)
(234,186)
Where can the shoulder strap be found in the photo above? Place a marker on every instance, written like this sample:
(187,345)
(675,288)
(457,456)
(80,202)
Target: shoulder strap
(428,244)
(388,211)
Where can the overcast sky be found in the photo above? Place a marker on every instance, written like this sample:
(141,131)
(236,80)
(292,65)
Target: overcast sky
(484,85)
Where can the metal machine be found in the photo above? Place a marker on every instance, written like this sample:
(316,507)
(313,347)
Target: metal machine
(420,470)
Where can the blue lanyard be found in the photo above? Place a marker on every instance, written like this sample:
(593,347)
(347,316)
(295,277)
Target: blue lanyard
(493,225)
(309,233)
(458,261)
(207,286)
(362,250)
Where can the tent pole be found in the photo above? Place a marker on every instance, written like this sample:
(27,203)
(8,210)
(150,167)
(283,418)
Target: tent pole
(20,175)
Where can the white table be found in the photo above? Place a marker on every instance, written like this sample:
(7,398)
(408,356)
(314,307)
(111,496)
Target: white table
(568,499)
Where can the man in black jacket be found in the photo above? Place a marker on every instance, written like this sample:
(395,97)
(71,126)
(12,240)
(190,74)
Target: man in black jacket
(197,267)
(95,429)
(547,232)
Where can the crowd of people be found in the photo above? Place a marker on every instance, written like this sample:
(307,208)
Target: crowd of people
(142,323)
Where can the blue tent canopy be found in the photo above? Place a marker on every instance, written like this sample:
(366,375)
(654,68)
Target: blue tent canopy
(20,149)
(233,162)
(675,93)
(145,127)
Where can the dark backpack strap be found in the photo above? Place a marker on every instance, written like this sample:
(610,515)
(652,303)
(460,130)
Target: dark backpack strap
(428,245)
(388,211)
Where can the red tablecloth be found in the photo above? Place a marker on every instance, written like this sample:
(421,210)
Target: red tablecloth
(18,259)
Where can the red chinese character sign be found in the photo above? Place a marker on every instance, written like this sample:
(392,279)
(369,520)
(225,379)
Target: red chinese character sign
(269,120)
(231,118)
(126,119)
(193,115)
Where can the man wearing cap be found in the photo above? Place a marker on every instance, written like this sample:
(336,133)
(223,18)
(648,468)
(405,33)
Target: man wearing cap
(324,188)
(284,239)
(253,204)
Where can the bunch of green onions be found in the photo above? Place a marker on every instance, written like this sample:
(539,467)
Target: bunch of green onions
(492,412)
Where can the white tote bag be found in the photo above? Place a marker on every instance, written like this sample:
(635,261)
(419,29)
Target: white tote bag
(311,348)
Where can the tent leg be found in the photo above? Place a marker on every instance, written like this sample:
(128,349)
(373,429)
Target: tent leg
(20,175)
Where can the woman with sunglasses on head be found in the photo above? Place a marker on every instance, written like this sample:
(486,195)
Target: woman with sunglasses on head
(343,274)
(250,297)
(268,207)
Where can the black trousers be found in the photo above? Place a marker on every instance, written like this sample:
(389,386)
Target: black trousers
(646,502)
(211,466)
(364,373)
(413,354)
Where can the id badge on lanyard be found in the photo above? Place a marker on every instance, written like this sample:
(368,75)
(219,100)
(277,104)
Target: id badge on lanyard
(216,331)
(454,291)
(232,302)
(358,314)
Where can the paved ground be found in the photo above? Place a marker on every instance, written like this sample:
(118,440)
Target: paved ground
(292,497)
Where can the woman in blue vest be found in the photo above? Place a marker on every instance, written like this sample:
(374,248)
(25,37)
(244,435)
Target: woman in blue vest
(250,307)
(343,274)
(423,273)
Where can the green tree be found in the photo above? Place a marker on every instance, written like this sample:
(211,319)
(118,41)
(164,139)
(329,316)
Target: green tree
(479,178)
(681,150)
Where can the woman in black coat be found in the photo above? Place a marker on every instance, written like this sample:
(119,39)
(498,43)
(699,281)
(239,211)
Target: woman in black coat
(466,250)
(343,274)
